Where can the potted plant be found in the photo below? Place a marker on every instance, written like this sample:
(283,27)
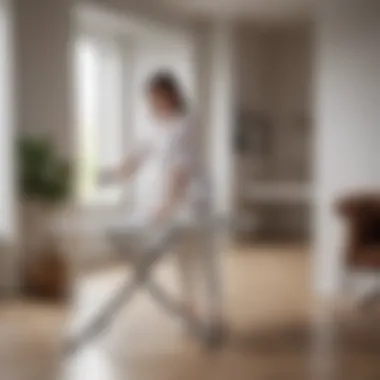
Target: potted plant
(44,185)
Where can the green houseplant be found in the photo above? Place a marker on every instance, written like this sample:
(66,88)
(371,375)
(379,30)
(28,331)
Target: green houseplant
(44,175)
(44,182)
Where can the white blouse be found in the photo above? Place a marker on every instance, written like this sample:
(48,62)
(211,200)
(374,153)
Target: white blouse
(170,144)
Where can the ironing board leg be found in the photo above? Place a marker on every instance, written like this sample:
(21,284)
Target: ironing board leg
(211,333)
(177,308)
(97,325)
(100,322)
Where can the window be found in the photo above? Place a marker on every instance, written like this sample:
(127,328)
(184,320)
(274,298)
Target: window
(100,115)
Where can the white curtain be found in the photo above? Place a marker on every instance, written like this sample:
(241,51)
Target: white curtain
(7,201)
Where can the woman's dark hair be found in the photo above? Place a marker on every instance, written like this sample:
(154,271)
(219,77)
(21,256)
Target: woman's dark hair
(167,84)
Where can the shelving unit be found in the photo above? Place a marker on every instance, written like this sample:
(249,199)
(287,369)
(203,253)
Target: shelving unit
(273,159)
(277,192)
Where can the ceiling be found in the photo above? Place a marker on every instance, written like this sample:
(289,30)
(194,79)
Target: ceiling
(255,10)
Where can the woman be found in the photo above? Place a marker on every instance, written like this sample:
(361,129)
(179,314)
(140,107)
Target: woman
(173,174)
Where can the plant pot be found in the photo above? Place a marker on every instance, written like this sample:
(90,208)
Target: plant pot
(44,269)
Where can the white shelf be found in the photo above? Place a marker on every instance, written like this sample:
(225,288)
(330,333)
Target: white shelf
(277,192)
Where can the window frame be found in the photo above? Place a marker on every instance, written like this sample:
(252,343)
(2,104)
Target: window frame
(104,38)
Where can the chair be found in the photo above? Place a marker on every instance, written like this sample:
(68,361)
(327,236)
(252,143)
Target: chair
(362,215)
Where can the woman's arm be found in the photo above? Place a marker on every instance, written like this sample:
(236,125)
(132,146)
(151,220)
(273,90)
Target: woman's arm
(130,165)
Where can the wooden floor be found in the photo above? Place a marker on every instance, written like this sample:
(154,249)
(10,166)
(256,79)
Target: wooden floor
(276,331)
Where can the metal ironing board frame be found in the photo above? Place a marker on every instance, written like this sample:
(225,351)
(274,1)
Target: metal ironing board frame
(143,264)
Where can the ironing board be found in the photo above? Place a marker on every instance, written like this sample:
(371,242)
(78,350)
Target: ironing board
(153,246)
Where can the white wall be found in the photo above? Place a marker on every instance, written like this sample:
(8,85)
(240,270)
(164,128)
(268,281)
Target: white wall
(222,114)
(347,74)
(44,68)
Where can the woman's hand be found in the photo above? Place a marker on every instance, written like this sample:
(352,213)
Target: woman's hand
(123,172)
(106,177)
